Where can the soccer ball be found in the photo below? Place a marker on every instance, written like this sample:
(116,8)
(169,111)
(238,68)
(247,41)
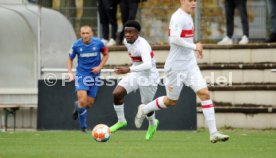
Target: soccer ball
(101,133)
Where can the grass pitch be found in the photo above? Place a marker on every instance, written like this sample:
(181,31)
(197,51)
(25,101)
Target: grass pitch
(131,144)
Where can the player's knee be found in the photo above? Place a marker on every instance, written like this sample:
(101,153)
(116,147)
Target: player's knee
(117,95)
(203,94)
(82,102)
(90,103)
(171,103)
(168,102)
(118,98)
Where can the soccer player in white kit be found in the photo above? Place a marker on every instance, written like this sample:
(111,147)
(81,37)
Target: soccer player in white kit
(181,68)
(142,75)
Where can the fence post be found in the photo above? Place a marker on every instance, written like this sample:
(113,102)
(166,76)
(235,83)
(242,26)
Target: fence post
(197,20)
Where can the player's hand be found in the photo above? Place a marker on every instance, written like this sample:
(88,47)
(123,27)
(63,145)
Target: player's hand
(71,77)
(122,70)
(199,54)
(199,47)
(96,70)
(199,50)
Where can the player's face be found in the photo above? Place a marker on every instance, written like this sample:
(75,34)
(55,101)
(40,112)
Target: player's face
(189,5)
(131,34)
(86,34)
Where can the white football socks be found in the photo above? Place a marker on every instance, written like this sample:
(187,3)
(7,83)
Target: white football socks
(120,112)
(151,119)
(154,105)
(209,114)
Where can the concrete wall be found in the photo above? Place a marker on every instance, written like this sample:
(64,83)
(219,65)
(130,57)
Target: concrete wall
(241,120)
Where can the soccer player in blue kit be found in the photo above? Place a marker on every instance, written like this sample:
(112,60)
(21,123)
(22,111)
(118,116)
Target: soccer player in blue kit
(89,50)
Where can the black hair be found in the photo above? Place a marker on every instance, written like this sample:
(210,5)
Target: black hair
(133,23)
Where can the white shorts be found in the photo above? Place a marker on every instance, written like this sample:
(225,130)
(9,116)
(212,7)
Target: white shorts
(175,79)
(147,87)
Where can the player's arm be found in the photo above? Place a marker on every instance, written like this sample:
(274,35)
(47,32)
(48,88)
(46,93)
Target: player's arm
(146,58)
(199,50)
(181,42)
(105,54)
(196,47)
(175,38)
(69,68)
(70,59)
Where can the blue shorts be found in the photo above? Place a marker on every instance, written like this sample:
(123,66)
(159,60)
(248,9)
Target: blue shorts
(87,83)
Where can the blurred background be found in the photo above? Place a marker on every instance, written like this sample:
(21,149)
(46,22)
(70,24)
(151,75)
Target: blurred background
(154,16)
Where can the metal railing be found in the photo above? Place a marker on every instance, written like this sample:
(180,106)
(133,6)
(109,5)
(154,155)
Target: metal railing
(60,73)
(63,70)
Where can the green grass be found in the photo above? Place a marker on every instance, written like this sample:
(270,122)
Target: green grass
(131,144)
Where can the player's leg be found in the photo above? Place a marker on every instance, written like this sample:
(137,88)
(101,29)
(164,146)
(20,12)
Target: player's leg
(173,89)
(86,92)
(147,94)
(118,103)
(80,105)
(82,109)
(173,84)
(159,103)
(125,86)
(90,99)
(209,114)
(198,84)
(90,102)
(92,93)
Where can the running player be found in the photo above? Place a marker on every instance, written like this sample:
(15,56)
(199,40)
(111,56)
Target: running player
(142,75)
(88,49)
(181,68)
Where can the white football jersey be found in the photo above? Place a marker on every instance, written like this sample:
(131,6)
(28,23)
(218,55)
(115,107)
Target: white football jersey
(181,56)
(140,52)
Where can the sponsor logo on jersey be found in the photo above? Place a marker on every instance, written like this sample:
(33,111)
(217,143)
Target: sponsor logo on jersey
(88,54)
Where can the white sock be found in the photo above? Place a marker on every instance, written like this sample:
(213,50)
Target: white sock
(151,119)
(120,112)
(154,105)
(209,114)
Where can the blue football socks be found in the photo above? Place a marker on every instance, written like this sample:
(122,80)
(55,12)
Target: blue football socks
(82,114)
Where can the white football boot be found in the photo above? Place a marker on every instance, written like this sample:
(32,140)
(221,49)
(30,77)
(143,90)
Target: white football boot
(217,136)
(140,116)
